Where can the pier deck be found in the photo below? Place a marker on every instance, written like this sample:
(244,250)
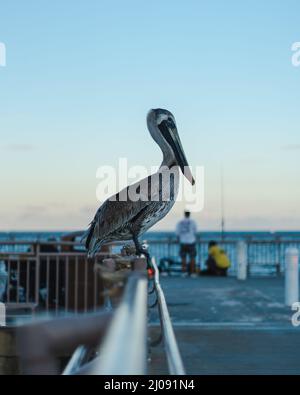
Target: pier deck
(228,327)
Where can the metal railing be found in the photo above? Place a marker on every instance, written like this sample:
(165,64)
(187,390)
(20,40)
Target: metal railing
(171,348)
(57,277)
(40,344)
(77,361)
(104,343)
(122,336)
(53,276)
(124,348)
(265,257)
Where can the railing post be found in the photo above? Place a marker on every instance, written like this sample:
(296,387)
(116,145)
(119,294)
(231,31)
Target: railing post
(169,247)
(277,259)
(37,275)
(4,282)
(241,258)
(291,276)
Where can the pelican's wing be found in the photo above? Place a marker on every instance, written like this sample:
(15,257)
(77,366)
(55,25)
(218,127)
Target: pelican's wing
(115,213)
(110,217)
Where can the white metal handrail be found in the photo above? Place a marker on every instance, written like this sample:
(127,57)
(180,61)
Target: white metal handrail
(76,361)
(124,351)
(172,351)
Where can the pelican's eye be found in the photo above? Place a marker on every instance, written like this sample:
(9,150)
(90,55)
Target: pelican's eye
(170,123)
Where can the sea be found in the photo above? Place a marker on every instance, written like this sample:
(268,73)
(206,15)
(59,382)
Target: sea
(162,235)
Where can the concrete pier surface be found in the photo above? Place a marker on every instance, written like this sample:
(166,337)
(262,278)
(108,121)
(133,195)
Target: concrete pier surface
(225,326)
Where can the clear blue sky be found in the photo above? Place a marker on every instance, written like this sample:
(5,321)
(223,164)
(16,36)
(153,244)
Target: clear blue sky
(81,76)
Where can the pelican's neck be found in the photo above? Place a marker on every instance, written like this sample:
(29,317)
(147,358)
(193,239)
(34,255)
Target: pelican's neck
(168,154)
(168,157)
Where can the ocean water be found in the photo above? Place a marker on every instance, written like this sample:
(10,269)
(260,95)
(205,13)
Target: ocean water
(160,235)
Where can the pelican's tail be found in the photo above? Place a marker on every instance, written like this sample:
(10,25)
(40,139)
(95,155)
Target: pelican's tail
(94,248)
(92,243)
(84,237)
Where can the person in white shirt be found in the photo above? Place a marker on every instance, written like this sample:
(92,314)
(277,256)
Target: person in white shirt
(186,231)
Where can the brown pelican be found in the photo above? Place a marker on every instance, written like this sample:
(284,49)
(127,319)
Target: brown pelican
(126,218)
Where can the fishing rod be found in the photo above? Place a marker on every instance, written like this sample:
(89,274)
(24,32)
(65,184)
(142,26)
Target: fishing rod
(222,205)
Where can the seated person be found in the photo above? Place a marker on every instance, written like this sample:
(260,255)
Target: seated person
(217,262)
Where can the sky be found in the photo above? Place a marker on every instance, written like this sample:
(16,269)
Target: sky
(80,77)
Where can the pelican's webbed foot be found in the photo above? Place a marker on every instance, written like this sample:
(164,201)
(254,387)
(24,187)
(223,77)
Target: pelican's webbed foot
(142,250)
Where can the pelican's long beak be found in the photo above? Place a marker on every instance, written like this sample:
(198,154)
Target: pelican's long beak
(170,133)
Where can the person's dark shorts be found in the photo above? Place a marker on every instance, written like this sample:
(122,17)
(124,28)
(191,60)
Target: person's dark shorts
(188,250)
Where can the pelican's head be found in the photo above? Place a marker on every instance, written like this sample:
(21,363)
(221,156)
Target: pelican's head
(162,126)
